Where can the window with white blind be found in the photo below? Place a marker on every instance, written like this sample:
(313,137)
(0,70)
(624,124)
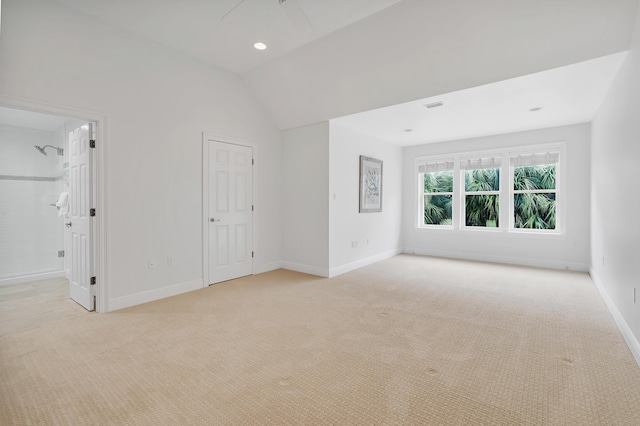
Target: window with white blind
(481,191)
(437,192)
(534,199)
(506,190)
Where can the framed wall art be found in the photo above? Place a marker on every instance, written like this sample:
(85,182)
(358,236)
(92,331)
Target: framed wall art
(370,185)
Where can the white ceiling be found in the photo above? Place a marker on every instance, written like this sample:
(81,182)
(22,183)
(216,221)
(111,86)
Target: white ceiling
(567,95)
(30,120)
(418,49)
(196,27)
(368,54)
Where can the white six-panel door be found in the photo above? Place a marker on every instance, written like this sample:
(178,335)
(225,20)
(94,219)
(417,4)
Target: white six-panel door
(79,221)
(230,211)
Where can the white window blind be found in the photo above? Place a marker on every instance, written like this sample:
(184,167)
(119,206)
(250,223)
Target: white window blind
(481,163)
(535,159)
(435,166)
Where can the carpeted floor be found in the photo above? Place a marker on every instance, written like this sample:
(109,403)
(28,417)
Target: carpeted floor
(410,340)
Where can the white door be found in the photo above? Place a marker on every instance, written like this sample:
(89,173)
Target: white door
(79,222)
(230,211)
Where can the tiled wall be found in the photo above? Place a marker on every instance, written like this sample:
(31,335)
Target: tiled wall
(31,233)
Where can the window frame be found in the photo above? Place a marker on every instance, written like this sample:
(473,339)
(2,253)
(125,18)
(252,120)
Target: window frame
(559,148)
(506,193)
(425,160)
(463,189)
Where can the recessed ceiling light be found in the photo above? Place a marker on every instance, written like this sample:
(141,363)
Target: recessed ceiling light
(408,130)
(434,104)
(535,109)
(259,45)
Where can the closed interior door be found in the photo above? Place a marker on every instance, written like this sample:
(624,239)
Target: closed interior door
(230,211)
(79,222)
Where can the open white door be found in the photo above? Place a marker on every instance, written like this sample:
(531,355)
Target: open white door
(80,198)
(230,211)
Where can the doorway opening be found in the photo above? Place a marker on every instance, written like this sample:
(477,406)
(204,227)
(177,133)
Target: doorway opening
(47,211)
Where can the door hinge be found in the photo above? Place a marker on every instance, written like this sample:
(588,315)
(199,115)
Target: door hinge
(251,254)
(252,162)
(252,207)
(92,143)
(92,212)
(93,280)
(60,253)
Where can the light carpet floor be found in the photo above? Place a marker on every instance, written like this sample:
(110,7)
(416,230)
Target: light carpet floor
(410,340)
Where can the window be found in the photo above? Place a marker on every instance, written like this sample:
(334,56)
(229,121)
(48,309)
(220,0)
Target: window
(534,190)
(482,191)
(506,190)
(437,193)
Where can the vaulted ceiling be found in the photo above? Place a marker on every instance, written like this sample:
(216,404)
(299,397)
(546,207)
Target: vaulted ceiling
(360,55)
(222,32)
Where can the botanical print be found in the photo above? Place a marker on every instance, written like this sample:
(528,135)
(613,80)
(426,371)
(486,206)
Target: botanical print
(370,185)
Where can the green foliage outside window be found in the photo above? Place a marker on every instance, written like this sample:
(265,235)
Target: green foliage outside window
(438,198)
(534,192)
(532,209)
(482,209)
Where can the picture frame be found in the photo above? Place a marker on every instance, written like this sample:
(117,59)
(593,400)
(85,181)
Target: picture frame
(370,185)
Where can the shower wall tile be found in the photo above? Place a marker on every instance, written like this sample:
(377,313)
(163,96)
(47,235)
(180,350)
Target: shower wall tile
(31,233)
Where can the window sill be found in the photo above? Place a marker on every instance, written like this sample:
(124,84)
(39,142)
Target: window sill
(510,233)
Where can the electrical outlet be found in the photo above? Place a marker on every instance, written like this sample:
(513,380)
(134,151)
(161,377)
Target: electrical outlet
(151,264)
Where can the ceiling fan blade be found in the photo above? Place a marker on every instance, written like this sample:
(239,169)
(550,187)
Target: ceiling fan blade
(234,14)
(296,15)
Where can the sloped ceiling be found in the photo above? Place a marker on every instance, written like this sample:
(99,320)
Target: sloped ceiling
(422,48)
(367,54)
(222,32)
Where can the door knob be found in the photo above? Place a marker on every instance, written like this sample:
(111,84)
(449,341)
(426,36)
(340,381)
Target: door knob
(214,220)
(68,224)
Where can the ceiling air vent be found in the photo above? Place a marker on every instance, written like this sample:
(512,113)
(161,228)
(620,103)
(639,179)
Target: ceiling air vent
(434,104)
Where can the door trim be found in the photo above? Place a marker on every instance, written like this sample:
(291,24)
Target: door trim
(211,137)
(100,179)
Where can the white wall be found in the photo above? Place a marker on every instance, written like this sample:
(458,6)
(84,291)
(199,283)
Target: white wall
(157,103)
(615,248)
(30,229)
(376,235)
(305,194)
(570,250)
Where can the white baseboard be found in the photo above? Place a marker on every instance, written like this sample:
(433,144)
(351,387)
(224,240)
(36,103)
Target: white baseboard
(626,332)
(33,277)
(266,267)
(306,269)
(339,270)
(151,295)
(522,261)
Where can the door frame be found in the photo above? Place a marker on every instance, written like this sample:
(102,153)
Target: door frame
(100,242)
(211,137)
